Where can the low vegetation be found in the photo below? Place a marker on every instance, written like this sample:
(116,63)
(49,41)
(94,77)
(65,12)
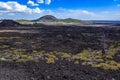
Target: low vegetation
(86,57)
(14,52)
(24,21)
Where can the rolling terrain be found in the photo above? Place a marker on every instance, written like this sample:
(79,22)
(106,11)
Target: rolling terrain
(39,51)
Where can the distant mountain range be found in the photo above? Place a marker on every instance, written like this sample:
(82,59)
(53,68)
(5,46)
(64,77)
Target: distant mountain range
(46,18)
(50,18)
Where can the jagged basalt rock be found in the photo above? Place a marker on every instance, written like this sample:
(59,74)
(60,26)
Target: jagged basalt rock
(62,38)
(61,70)
(9,23)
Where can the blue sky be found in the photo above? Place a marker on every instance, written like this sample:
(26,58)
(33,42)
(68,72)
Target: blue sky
(78,9)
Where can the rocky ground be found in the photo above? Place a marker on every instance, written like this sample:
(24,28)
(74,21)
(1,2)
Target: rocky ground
(62,70)
(26,39)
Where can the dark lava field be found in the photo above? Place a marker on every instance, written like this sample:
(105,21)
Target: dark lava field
(29,39)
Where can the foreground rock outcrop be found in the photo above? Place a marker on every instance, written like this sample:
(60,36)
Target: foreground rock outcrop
(9,23)
(62,70)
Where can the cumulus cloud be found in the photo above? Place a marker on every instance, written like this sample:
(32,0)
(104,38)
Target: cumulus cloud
(12,6)
(4,6)
(11,14)
(14,10)
(115,0)
(83,14)
(30,2)
(40,1)
(37,10)
(118,5)
(47,2)
(77,14)
(44,1)
(0,14)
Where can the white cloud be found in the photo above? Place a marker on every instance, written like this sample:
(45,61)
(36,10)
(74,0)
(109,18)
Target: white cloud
(30,2)
(12,6)
(77,14)
(37,10)
(14,10)
(84,14)
(118,5)
(40,1)
(11,14)
(0,14)
(4,6)
(44,1)
(47,2)
(116,0)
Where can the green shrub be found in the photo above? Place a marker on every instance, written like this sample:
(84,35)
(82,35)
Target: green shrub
(76,62)
(66,55)
(82,56)
(18,43)
(50,60)
(50,55)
